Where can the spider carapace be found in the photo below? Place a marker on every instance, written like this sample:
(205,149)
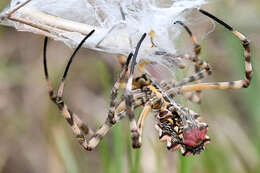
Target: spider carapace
(178,126)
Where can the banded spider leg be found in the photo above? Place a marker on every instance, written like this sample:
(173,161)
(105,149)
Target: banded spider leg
(135,134)
(243,83)
(80,129)
(194,97)
(198,64)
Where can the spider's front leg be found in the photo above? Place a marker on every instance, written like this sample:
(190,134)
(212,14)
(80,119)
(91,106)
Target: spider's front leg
(81,130)
(135,134)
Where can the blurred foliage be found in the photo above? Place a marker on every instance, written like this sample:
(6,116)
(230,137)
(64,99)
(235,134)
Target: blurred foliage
(35,138)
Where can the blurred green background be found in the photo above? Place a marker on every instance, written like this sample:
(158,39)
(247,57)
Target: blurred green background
(35,138)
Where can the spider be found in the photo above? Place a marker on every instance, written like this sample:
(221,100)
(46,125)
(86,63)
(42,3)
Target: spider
(178,126)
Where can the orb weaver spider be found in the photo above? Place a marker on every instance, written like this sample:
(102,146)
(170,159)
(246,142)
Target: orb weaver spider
(178,126)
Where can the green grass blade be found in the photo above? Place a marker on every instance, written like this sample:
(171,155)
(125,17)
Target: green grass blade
(66,153)
(186,163)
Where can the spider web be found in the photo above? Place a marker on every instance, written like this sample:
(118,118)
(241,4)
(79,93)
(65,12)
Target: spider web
(119,24)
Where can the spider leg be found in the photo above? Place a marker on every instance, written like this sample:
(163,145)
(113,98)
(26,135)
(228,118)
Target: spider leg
(197,76)
(135,135)
(80,129)
(114,90)
(50,89)
(147,108)
(243,83)
(174,89)
(194,97)
(210,86)
(246,45)
(197,47)
(199,63)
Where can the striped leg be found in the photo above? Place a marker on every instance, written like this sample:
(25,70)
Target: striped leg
(112,118)
(80,129)
(195,77)
(243,83)
(245,43)
(114,90)
(135,135)
(147,109)
(194,97)
(197,47)
(198,62)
